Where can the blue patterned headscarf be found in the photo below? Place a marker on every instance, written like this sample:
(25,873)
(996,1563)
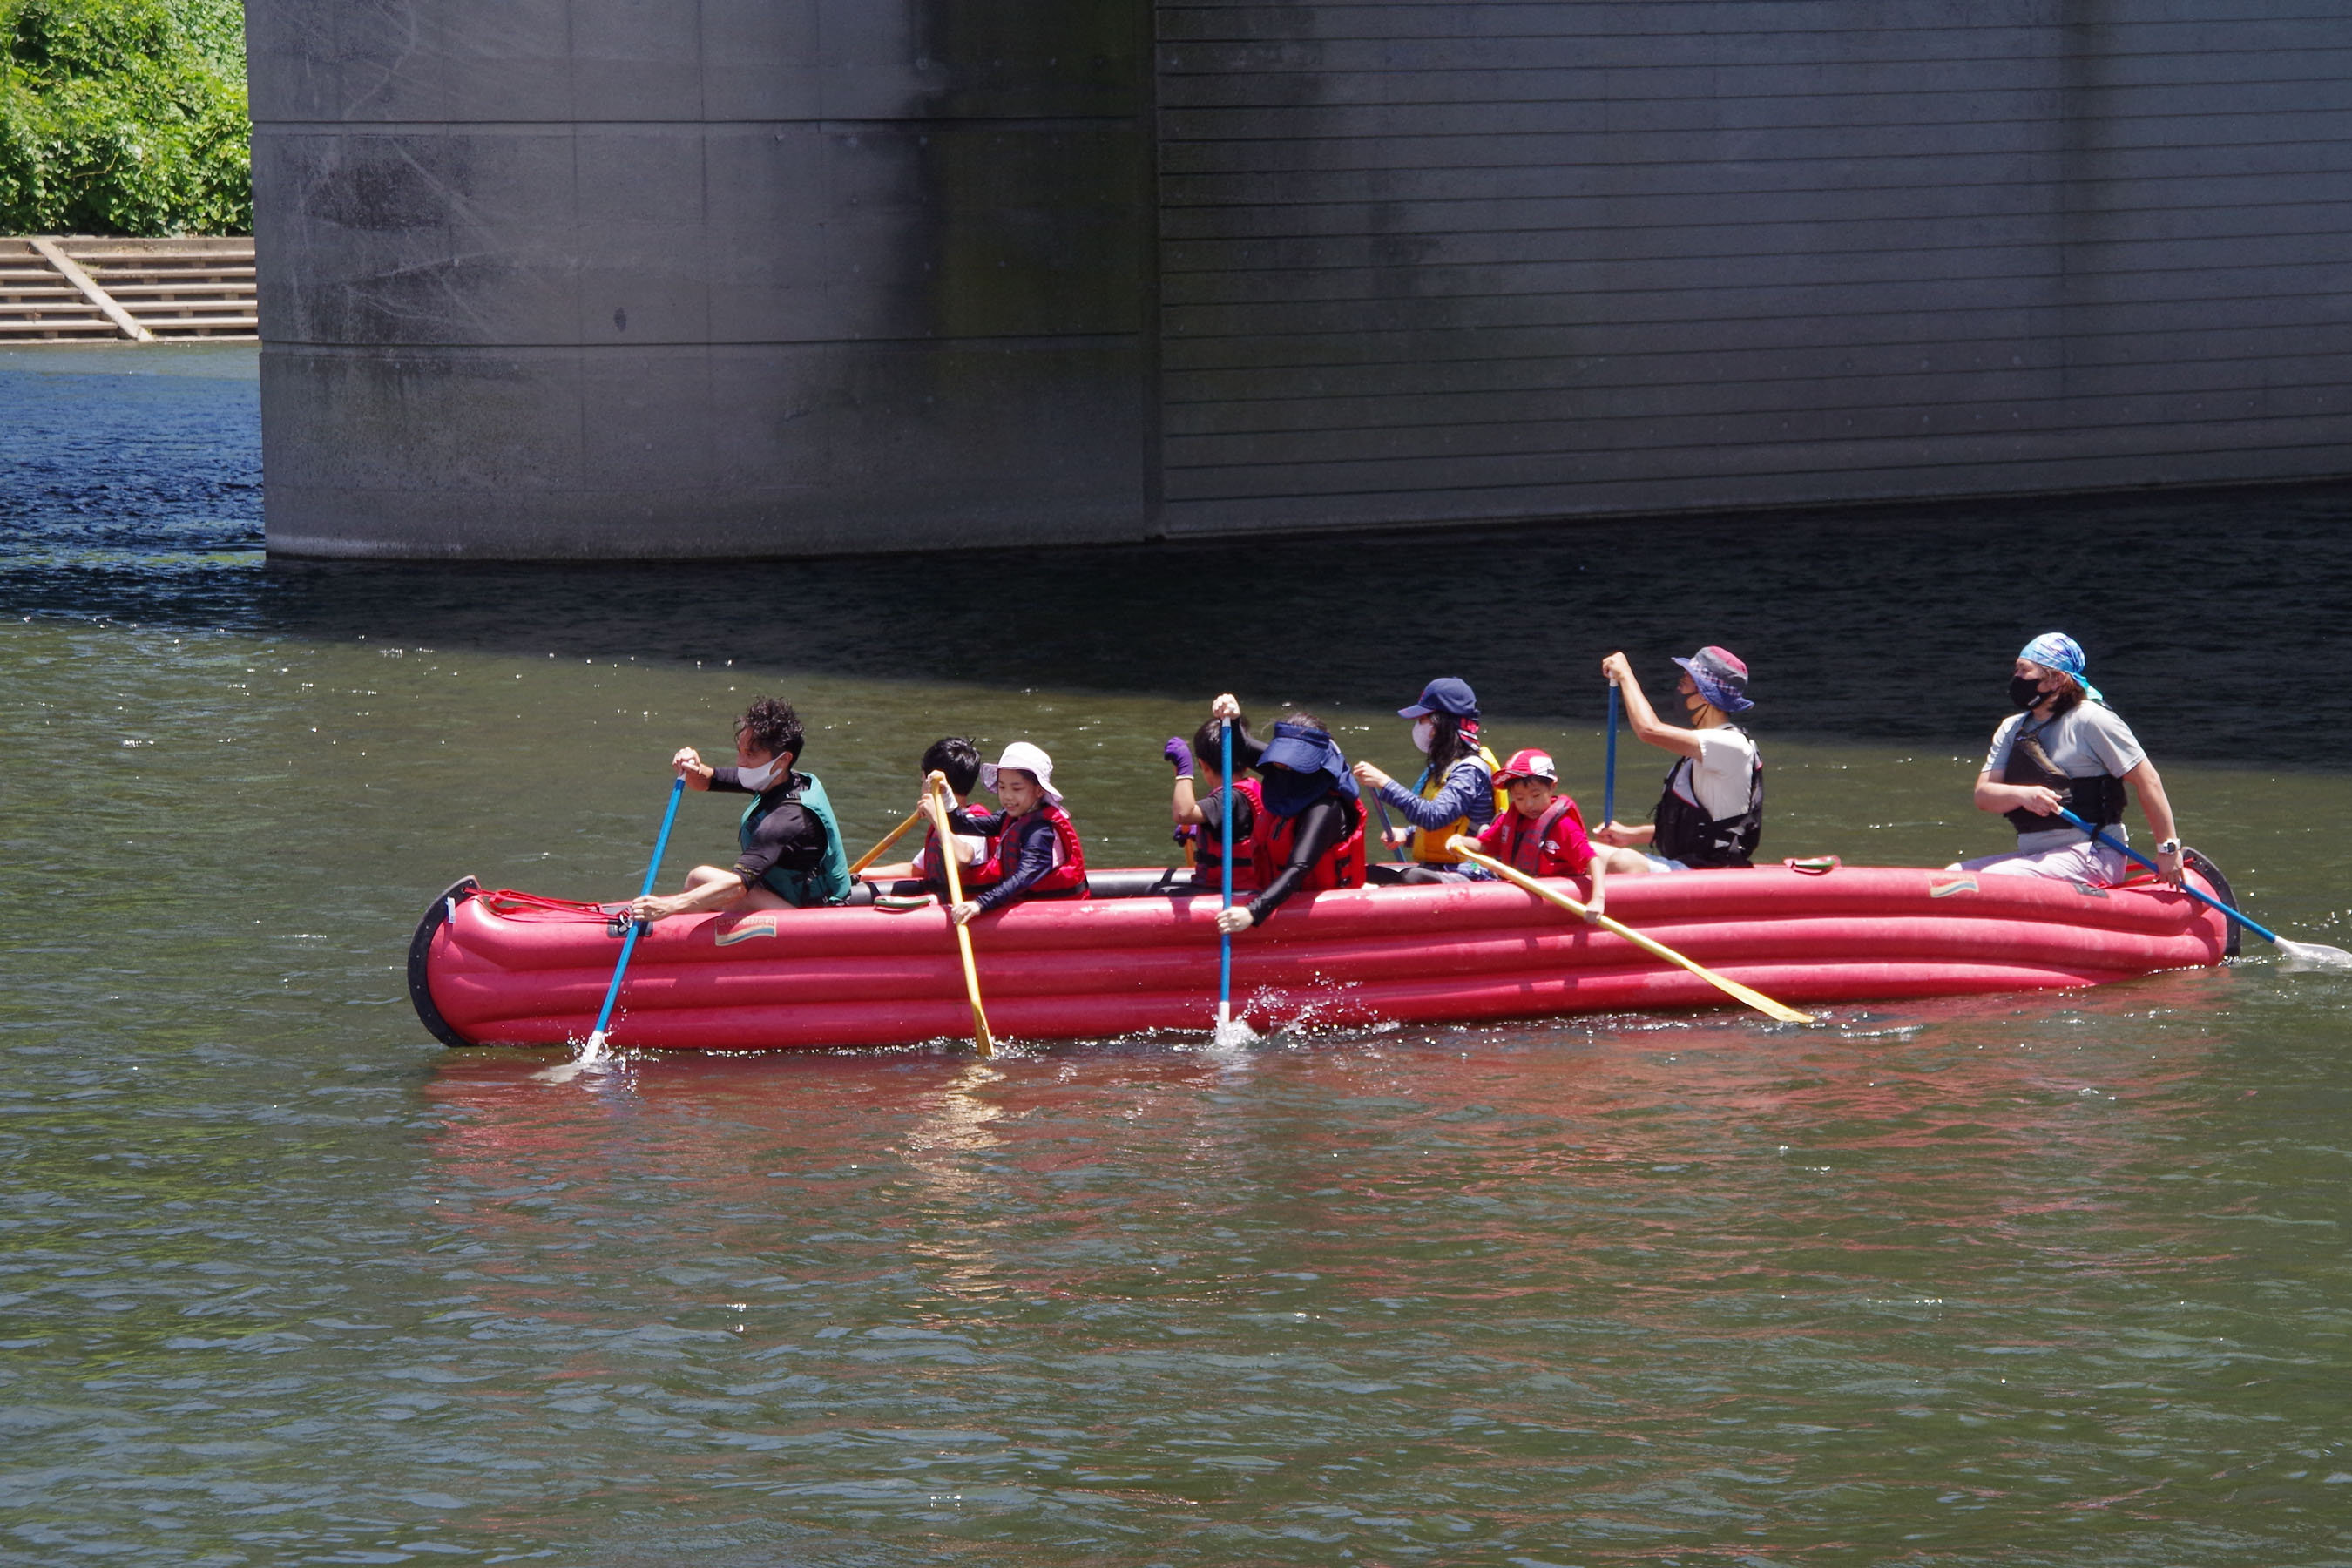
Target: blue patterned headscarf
(2056,650)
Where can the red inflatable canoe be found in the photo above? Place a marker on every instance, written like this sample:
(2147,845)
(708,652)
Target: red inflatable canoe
(513,968)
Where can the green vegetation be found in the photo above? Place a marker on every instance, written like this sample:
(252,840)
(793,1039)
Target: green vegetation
(124,117)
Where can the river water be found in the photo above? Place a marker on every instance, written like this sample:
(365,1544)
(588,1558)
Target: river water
(2057,1278)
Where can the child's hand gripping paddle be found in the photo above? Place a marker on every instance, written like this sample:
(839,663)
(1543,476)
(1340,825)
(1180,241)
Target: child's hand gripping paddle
(594,1050)
(2318,954)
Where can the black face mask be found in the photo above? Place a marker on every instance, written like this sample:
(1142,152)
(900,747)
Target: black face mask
(2025,690)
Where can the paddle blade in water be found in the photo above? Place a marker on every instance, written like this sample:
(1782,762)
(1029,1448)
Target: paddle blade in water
(2312,955)
(1231,1031)
(593,1051)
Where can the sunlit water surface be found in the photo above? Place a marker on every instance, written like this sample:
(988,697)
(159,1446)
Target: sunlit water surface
(2057,1278)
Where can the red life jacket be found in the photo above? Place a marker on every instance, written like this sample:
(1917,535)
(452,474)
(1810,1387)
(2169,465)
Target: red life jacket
(1208,860)
(1531,846)
(1341,866)
(1004,853)
(933,870)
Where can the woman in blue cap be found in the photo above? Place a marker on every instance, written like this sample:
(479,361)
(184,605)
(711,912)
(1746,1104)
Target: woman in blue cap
(1309,835)
(2068,748)
(1455,793)
(1712,810)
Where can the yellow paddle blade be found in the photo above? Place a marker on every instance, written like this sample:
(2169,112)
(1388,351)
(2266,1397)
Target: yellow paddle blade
(887,839)
(938,785)
(1725,984)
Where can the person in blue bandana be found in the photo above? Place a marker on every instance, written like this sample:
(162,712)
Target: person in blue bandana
(1309,835)
(2068,748)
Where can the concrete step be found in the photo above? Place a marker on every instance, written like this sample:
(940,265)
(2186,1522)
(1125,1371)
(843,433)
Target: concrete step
(178,288)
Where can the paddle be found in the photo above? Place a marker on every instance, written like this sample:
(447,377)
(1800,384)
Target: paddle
(1609,777)
(887,839)
(1225,859)
(937,786)
(2306,951)
(595,1047)
(1388,828)
(1468,850)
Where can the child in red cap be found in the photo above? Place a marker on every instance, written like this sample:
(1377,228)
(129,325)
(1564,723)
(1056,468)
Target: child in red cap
(1543,833)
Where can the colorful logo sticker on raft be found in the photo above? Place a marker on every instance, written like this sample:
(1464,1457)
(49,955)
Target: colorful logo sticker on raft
(1957,884)
(754,925)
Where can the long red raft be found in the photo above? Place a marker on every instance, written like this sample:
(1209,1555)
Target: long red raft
(513,968)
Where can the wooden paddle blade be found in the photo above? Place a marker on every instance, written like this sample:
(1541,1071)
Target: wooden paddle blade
(981,1040)
(1725,984)
(887,839)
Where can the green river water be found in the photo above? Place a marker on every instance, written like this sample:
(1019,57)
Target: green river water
(2059,1278)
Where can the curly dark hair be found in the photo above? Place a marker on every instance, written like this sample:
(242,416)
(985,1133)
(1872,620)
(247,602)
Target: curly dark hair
(956,757)
(772,726)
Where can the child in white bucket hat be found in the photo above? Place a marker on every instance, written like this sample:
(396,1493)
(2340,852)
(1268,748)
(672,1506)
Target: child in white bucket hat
(1034,851)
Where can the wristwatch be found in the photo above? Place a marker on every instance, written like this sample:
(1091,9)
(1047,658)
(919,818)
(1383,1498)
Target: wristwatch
(2169,847)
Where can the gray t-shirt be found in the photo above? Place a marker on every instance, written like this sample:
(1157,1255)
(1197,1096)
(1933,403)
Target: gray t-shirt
(2088,738)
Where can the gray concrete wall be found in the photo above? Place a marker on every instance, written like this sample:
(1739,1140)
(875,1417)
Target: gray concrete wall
(1430,260)
(567,278)
(644,278)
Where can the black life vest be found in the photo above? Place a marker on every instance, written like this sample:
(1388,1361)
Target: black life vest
(2096,798)
(1685,832)
(1208,850)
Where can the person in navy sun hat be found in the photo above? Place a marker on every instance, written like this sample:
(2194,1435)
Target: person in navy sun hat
(1455,793)
(1712,811)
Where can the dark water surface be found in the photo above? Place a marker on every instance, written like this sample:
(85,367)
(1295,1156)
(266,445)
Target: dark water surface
(2023,1280)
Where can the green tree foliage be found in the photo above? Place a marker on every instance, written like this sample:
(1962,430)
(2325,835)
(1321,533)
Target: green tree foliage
(124,117)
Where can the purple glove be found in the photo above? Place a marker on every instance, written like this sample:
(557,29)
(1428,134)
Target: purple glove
(1179,754)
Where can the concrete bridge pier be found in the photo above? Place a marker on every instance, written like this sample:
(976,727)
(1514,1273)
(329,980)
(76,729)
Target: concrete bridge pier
(626,278)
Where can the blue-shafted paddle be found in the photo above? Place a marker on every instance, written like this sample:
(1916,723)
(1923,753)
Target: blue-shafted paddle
(595,1047)
(1226,860)
(1609,774)
(2308,952)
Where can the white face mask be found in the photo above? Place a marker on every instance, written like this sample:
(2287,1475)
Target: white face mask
(1424,734)
(761,778)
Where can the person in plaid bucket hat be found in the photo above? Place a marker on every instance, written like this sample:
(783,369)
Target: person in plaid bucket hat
(1711,812)
(2068,748)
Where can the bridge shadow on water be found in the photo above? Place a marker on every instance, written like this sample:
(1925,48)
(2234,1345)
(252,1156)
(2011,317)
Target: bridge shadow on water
(2214,620)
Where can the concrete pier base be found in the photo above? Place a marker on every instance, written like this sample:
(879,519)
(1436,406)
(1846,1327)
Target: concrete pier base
(573,278)
(551,278)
